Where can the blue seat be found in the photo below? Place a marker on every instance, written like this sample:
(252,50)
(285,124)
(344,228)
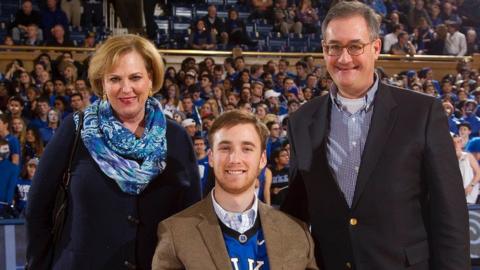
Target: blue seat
(277,44)
(182,11)
(298,44)
(216,2)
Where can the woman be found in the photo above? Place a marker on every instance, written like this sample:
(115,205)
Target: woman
(469,169)
(220,97)
(18,128)
(133,168)
(53,118)
(33,145)
(171,102)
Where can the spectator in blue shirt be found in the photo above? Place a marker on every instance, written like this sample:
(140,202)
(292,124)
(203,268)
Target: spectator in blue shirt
(13,143)
(23,184)
(8,178)
(200,147)
(469,116)
(54,118)
(40,121)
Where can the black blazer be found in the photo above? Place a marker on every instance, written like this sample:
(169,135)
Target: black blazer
(105,227)
(409,209)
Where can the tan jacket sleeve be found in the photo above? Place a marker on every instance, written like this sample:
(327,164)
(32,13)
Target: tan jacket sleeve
(165,255)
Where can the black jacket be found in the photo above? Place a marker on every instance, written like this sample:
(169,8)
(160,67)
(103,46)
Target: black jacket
(409,209)
(105,227)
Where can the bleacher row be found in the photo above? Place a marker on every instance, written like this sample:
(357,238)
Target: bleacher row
(173,31)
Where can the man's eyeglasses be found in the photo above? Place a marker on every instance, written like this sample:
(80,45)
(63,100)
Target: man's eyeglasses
(354,49)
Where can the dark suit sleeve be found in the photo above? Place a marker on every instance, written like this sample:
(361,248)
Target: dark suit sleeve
(296,203)
(41,197)
(449,232)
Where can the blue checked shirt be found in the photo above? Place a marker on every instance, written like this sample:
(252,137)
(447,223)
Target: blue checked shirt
(346,140)
(240,222)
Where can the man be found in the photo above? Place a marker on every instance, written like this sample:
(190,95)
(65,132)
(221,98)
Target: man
(230,228)
(391,38)
(190,126)
(58,38)
(200,148)
(8,178)
(40,120)
(456,42)
(373,168)
(25,16)
(214,24)
(76,102)
(31,36)
(13,143)
(403,45)
(52,16)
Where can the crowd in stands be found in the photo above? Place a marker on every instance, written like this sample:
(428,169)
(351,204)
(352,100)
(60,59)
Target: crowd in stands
(433,27)
(34,102)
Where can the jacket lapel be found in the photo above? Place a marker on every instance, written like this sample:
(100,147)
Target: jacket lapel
(212,235)
(273,237)
(317,128)
(383,120)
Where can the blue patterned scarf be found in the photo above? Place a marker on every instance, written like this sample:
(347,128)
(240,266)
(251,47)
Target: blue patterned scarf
(131,162)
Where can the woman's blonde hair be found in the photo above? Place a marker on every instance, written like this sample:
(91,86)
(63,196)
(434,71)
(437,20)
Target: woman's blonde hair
(108,54)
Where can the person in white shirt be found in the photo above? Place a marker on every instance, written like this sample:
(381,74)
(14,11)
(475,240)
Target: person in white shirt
(455,43)
(391,38)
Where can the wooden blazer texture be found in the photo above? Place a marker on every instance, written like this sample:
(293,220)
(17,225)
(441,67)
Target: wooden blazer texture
(192,240)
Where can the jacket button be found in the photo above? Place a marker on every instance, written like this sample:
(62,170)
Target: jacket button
(353,221)
(130,265)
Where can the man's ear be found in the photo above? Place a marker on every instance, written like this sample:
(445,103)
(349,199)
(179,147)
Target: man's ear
(377,46)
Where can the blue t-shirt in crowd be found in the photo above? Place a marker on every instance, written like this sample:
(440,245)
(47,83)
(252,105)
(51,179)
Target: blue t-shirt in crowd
(203,168)
(13,144)
(8,179)
(46,134)
(38,123)
(23,187)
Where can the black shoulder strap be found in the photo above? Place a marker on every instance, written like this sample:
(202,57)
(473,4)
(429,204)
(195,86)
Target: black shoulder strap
(74,148)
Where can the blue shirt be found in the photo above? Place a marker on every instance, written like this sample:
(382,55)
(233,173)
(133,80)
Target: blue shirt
(13,144)
(346,140)
(8,179)
(23,187)
(203,169)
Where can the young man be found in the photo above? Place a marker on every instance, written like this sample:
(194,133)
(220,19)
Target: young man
(8,178)
(373,168)
(200,148)
(230,228)
(13,143)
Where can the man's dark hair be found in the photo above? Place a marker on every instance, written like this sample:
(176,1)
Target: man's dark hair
(346,9)
(301,63)
(17,99)
(76,95)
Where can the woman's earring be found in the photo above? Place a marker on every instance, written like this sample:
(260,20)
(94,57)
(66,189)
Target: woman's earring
(150,93)
(104,97)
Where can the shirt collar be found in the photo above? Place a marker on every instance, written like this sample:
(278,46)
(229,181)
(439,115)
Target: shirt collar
(240,222)
(369,97)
